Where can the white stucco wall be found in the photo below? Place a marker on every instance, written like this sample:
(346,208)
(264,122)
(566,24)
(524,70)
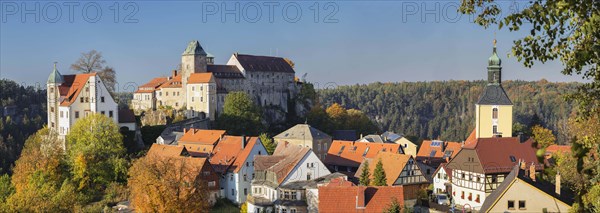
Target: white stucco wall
(439,180)
(310,164)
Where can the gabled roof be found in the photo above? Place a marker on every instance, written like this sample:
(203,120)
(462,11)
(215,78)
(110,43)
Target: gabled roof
(438,149)
(302,132)
(73,85)
(285,157)
(166,151)
(151,85)
(335,198)
(472,139)
(495,155)
(228,155)
(516,174)
(199,78)
(443,166)
(393,164)
(252,63)
(558,148)
(350,153)
(493,94)
(201,136)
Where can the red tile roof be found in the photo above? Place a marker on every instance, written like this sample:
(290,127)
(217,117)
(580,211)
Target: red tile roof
(353,152)
(172,83)
(393,164)
(499,155)
(335,198)
(197,78)
(201,136)
(472,138)
(74,83)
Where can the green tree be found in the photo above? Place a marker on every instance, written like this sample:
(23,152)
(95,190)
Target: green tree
(542,136)
(379,178)
(567,30)
(240,115)
(6,188)
(393,207)
(268,142)
(365,175)
(95,153)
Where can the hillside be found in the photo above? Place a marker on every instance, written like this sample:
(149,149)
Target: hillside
(445,109)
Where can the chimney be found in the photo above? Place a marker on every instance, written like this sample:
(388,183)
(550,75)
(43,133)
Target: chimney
(361,135)
(557,189)
(360,197)
(243,141)
(522,164)
(174,73)
(521,137)
(532,171)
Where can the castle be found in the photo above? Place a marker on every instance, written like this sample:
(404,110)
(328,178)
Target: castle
(200,87)
(71,97)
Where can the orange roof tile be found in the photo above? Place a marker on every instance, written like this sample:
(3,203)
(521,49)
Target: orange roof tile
(201,136)
(558,148)
(172,83)
(472,138)
(166,150)
(334,198)
(75,86)
(228,155)
(151,85)
(440,147)
(351,153)
(393,164)
(196,78)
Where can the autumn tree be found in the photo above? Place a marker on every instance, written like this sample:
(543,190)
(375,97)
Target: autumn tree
(93,61)
(167,184)
(95,153)
(241,116)
(365,175)
(337,114)
(379,178)
(40,177)
(268,142)
(542,136)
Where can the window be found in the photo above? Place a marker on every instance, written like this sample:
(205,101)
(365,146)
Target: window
(76,114)
(87,99)
(495,129)
(192,99)
(87,89)
(494,178)
(293,196)
(439,176)
(283,210)
(61,114)
(110,113)
(102,99)
(102,112)
(52,124)
(522,205)
(245,177)
(308,176)
(495,113)
(81,99)
(292,210)
(211,184)
(511,204)
(365,153)
(205,173)
(51,89)
(232,192)
(245,191)
(193,88)
(247,163)
(201,99)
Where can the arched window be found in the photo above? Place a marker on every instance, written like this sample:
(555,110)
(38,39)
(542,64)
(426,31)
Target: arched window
(495,113)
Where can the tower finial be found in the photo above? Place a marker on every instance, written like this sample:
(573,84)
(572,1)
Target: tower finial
(494,39)
(55,65)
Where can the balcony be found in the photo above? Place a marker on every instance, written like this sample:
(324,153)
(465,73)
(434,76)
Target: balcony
(259,201)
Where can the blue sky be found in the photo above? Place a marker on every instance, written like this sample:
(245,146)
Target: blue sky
(361,42)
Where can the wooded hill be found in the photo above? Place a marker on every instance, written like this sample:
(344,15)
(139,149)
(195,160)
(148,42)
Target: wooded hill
(446,109)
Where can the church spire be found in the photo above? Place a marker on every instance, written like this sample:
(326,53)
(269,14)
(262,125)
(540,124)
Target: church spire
(494,67)
(55,76)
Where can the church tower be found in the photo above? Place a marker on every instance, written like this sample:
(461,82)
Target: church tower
(193,60)
(493,110)
(53,97)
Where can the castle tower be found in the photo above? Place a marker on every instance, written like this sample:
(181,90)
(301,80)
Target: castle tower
(53,97)
(493,110)
(193,60)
